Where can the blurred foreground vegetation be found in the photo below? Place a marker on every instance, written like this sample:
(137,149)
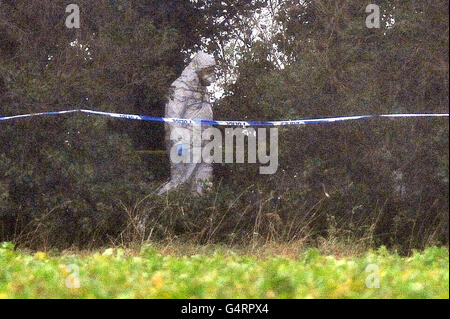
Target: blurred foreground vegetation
(222,274)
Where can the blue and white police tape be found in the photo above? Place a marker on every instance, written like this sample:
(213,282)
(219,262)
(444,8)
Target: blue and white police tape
(225,123)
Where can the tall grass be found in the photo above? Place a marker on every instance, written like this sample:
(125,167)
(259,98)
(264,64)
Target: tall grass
(252,218)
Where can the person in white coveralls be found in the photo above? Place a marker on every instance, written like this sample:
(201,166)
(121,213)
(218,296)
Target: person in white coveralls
(189,99)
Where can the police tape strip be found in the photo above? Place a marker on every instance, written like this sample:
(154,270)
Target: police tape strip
(224,123)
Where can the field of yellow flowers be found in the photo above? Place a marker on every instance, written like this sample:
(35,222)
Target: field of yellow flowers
(115,274)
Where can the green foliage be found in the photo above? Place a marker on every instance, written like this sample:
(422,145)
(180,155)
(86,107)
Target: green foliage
(391,176)
(70,176)
(78,181)
(114,274)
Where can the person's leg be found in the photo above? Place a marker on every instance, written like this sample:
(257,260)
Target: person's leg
(176,170)
(180,173)
(202,178)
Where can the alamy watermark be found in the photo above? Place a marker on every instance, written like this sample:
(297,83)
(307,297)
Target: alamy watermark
(73,19)
(373,19)
(192,145)
(373,279)
(72,281)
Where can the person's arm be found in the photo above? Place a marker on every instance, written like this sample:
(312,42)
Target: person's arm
(176,108)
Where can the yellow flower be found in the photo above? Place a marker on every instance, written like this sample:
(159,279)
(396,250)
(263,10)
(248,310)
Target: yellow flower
(157,280)
(63,269)
(40,255)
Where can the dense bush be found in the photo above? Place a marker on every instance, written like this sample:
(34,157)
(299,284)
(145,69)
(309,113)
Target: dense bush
(77,180)
(389,175)
(78,170)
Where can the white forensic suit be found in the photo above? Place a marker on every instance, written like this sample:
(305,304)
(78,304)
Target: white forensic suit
(189,99)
